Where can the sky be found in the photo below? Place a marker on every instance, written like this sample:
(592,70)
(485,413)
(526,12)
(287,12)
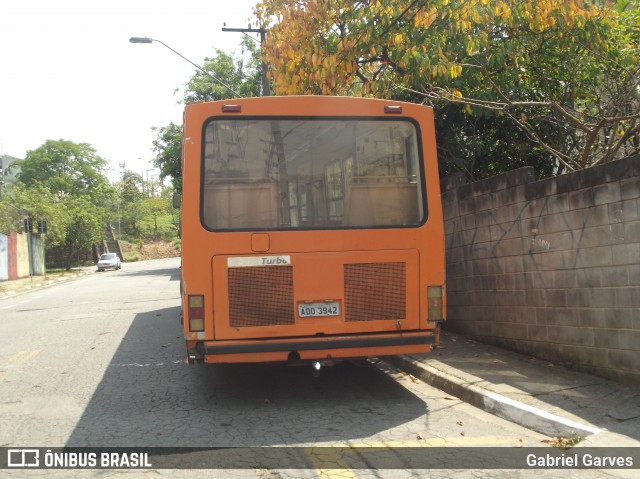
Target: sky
(68,71)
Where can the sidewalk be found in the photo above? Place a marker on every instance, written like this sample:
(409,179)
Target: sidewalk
(534,393)
(24,285)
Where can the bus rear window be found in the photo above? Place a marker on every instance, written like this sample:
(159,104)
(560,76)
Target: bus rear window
(311,173)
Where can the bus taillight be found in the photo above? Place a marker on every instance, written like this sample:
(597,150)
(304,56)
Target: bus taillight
(395,109)
(196,313)
(434,296)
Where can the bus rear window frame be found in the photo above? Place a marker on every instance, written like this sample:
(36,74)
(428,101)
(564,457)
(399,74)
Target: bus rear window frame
(421,168)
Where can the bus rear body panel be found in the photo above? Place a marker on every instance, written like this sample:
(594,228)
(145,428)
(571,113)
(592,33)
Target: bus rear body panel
(311,230)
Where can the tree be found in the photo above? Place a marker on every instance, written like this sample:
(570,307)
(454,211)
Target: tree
(126,204)
(66,168)
(565,73)
(85,226)
(241,74)
(37,203)
(73,222)
(132,213)
(168,149)
(130,187)
(483,145)
(65,184)
(154,207)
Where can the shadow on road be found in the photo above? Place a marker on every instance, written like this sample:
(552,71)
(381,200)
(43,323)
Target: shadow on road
(150,397)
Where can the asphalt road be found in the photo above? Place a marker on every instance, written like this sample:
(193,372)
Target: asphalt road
(99,362)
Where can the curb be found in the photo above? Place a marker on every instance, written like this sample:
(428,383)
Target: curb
(517,412)
(12,293)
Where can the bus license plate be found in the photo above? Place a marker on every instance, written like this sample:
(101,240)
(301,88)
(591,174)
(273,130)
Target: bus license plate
(315,310)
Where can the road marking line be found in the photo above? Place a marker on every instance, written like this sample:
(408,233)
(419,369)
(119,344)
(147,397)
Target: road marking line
(448,442)
(13,305)
(320,456)
(19,359)
(23,356)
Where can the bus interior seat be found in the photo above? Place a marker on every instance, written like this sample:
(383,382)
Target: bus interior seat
(237,203)
(377,201)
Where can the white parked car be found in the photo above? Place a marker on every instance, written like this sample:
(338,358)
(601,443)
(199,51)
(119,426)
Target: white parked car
(109,261)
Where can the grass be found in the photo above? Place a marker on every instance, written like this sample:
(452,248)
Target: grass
(166,231)
(564,442)
(166,228)
(131,251)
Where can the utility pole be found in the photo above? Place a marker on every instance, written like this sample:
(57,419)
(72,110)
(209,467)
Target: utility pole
(28,229)
(266,89)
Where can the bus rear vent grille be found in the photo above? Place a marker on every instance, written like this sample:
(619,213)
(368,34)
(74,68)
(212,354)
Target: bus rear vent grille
(260,296)
(374,291)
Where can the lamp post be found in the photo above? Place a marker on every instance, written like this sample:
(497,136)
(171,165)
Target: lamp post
(151,40)
(149,188)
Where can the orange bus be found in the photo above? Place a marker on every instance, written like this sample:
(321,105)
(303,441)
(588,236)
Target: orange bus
(311,230)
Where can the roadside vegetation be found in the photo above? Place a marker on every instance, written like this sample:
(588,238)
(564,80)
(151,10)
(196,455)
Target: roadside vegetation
(65,183)
(550,84)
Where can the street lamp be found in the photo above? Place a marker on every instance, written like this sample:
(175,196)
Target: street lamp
(151,40)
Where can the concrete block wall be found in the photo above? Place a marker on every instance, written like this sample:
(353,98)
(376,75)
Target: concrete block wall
(549,268)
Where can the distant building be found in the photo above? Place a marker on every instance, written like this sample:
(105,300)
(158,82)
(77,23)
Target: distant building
(7,175)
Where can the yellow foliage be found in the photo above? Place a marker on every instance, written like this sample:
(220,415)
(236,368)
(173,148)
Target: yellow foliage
(471,47)
(307,51)
(454,71)
(425,19)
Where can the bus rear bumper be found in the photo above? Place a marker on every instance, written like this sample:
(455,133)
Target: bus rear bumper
(311,348)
